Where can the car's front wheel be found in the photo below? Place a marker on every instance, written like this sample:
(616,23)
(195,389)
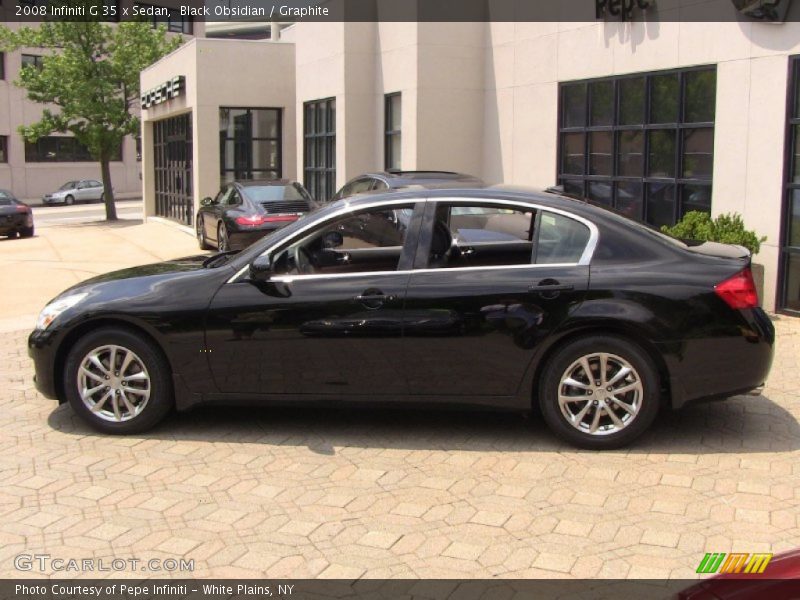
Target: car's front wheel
(118,381)
(69,200)
(599,392)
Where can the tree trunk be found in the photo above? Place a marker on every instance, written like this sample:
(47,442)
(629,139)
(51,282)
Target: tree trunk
(108,191)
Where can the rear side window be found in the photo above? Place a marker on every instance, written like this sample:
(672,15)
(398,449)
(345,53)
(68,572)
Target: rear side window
(560,240)
(483,235)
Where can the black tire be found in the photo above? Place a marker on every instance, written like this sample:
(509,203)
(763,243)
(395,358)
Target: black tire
(69,200)
(160,401)
(26,232)
(201,234)
(223,244)
(565,358)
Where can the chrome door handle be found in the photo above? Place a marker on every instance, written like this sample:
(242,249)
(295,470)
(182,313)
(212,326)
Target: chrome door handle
(552,287)
(374,297)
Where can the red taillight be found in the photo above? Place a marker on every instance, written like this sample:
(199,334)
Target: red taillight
(738,291)
(22,208)
(254,220)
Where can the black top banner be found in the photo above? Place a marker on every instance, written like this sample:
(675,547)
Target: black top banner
(774,12)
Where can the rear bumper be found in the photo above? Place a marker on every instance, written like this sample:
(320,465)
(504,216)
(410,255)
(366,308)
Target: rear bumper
(239,240)
(713,368)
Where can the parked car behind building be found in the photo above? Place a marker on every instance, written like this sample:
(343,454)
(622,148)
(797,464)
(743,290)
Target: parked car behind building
(83,190)
(244,211)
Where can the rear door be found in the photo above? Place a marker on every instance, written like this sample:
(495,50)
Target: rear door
(492,280)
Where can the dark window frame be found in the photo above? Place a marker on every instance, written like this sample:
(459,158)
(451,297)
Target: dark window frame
(786,251)
(175,22)
(36,152)
(389,134)
(36,63)
(3,149)
(2,66)
(319,175)
(674,184)
(278,139)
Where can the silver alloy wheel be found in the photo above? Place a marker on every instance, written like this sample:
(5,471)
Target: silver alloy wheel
(201,230)
(600,394)
(113,383)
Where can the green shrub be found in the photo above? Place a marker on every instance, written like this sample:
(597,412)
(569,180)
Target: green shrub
(726,229)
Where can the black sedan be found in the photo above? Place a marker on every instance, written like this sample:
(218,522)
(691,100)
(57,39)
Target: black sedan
(243,212)
(491,297)
(16,218)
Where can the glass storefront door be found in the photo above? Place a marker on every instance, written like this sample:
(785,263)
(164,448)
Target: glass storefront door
(790,244)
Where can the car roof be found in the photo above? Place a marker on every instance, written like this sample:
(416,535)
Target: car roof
(424,179)
(263,182)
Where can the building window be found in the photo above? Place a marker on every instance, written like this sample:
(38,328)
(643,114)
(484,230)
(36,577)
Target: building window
(3,148)
(391,146)
(173,20)
(32,60)
(61,149)
(2,66)
(643,144)
(790,244)
(138,148)
(319,148)
(249,143)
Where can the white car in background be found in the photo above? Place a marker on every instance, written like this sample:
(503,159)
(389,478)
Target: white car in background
(83,190)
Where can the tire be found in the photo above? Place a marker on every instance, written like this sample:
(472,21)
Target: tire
(201,234)
(223,244)
(69,200)
(26,232)
(146,358)
(642,397)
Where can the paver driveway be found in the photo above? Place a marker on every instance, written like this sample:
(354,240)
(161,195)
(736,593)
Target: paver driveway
(326,493)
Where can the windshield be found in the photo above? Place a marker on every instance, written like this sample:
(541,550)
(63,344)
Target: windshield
(67,186)
(270,193)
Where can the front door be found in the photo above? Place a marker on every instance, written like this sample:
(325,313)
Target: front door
(329,321)
(495,280)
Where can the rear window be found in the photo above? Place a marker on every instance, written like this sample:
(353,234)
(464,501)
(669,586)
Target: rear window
(4,201)
(270,193)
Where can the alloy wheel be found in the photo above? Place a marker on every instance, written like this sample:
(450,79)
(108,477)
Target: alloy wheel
(222,238)
(113,383)
(600,394)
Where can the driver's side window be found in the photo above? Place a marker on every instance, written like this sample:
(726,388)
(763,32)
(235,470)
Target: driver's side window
(367,241)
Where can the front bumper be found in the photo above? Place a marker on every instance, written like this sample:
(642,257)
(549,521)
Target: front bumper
(42,349)
(53,200)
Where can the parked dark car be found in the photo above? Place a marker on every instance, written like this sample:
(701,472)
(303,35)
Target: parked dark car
(16,218)
(245,211)
(405,180)
(493,297)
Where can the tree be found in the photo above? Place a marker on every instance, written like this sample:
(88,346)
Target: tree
(91,77)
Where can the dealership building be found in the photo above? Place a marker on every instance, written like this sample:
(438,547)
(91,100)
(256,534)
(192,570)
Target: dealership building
(654,117)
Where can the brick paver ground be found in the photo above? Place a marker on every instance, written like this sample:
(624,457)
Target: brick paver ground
(325,493)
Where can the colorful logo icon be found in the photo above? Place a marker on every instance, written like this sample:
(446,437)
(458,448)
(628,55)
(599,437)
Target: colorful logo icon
(735,562)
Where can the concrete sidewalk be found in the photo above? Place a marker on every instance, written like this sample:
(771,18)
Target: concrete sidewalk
(34,270)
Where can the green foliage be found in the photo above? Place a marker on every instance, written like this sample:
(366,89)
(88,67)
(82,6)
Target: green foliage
(726,229)
(89,79)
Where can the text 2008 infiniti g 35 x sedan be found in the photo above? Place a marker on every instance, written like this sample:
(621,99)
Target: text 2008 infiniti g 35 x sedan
(495,297)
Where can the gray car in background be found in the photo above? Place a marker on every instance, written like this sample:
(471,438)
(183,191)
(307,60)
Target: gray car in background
(82,190)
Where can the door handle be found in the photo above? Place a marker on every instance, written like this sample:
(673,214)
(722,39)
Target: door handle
(373,298)
(552,287)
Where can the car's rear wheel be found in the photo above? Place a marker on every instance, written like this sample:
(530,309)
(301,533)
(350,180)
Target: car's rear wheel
(223,244)
(599,392)
(69,200)
(117,381)
(201,234)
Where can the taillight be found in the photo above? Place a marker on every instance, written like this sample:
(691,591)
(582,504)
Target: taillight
(738,291)
(22,208)
(254,220)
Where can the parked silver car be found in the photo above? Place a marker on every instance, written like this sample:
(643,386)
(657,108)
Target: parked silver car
(83,190)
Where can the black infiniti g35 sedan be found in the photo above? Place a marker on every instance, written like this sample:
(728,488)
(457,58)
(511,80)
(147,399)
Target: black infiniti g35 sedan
(490,297)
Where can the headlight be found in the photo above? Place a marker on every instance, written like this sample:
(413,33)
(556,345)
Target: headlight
(55,308)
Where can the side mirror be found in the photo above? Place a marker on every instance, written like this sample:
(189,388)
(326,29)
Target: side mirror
(332,239)
(207,201)
(261,268)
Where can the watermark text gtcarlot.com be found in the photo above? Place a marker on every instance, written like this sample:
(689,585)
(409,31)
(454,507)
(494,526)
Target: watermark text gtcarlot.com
(46,563)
